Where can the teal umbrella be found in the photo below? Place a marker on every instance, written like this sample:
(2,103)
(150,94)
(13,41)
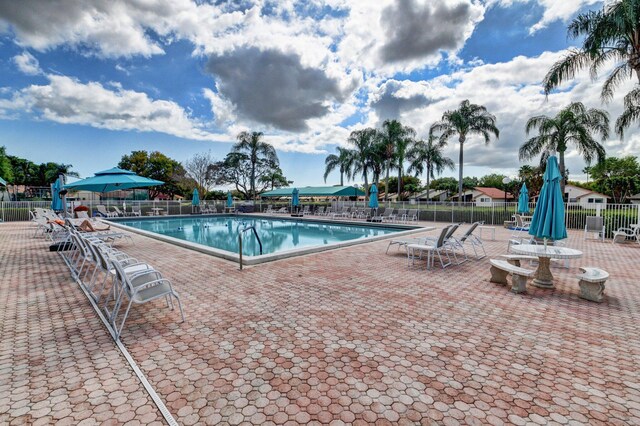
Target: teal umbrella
(195,199)
(295,199)
(523,199)
(56,201)
(373,196)
(229,199)
(548,217)
(3,182)
(114,179)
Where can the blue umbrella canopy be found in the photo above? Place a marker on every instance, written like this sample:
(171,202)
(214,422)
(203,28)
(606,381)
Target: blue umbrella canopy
(295,199)
(229,199)
(3,182)
(548,217)
(56,201)
(195,200)
(373,196)
(523,199)
(114,179)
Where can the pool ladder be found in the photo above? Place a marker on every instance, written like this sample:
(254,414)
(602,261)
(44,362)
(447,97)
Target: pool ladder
(253,228)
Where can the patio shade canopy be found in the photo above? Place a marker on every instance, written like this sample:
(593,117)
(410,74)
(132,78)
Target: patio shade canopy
(3,182)
(114,179)
(316,191)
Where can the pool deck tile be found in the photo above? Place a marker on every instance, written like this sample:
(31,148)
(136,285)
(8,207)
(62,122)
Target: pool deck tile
(348,336)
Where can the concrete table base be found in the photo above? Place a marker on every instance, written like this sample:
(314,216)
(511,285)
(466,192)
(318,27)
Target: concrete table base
(543,277)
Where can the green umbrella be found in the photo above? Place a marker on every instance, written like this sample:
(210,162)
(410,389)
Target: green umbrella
(56,201)
(373,196)
(548,218)
(114,179)
(195,200)
(523,199)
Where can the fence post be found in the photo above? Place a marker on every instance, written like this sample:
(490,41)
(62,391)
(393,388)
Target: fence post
(493,206)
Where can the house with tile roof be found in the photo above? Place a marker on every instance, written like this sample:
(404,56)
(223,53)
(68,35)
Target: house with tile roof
(585,198)
(485,196)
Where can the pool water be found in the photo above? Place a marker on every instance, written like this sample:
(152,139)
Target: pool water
(276,235)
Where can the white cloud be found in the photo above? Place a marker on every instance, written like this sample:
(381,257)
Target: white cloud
(66,100)
(27,63)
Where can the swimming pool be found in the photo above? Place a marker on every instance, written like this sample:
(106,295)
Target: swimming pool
(280,237)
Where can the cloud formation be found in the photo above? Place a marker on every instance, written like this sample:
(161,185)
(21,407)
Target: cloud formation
(27,63)
(273,88)
(66,100)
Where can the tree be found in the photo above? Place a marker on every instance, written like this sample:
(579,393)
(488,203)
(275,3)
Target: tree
(198,168)
(250,176)
(617,177)
(396,140)
(493,180)
(533,177)
(448,184)
(427,156)
(343,162)
(468,119)
(407,181)
(363,153)
(6,171)
(259,153)
(631,112)
(573,124)
(156,165)
(612,33)
(275,179)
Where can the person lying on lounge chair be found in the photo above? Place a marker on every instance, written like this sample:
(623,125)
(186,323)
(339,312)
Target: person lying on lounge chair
(88,226)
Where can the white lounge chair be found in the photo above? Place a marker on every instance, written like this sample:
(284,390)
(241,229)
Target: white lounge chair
(624,234)
(438,247)
(103,211)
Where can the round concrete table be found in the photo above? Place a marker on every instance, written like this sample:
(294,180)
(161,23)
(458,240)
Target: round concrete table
(543,277)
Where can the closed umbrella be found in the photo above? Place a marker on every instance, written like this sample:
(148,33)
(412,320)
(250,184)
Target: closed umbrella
(548,216)
(195,199)
(523,199)
(56,201)
(295,199)
(114,179)
(373,199)
(229,199)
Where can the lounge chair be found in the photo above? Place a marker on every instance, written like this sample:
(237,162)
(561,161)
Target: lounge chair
(404,242)
(320,211)
(402,215)
(117,211)
(438,247)
(469,238)
(595,226)
(624,234)
(135,211)
(412,215)
(103,211)
(387,216)
(139,288)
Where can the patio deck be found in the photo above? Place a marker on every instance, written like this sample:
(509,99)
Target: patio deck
(350,335)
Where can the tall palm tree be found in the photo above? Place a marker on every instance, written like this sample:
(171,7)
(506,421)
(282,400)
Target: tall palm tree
(363,141)
(631,112)
(428,156)
(468,119)
(251,144)
(612,33)
(396,139)
(573,124)
(343,162)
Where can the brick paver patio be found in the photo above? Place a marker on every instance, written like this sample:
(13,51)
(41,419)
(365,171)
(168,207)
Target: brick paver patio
(344,336)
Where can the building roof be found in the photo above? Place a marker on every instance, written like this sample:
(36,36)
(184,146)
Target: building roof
(316,191)
(494,193)
(434,193)
(593,193)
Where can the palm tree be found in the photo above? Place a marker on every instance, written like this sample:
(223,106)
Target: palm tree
(612,33)
(468,119)
(396,139)
(343,161)
(257,150)
(631,112)
(573,124)
(428,156)
(363,141)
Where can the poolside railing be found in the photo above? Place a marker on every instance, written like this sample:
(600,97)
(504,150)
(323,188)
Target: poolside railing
(615,215)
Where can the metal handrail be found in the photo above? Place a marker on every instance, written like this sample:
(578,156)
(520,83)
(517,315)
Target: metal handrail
(240,241)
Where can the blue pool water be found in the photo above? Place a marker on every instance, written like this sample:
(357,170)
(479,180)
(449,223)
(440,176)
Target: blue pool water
(221,232)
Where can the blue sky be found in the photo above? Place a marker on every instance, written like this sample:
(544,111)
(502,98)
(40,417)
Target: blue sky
(86,86)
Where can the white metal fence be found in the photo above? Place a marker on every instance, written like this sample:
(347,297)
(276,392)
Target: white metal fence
(615,215)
